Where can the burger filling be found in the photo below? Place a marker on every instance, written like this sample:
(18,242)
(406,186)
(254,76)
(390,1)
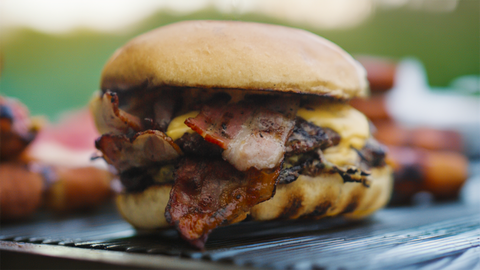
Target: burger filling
(226,152)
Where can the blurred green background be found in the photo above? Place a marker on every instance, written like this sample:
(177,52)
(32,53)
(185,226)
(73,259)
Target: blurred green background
(51,73)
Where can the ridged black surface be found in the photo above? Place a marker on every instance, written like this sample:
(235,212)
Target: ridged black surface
(439,236)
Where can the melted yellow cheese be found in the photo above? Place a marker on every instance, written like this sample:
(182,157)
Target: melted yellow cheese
(341,155)
(350,124)
(177,126)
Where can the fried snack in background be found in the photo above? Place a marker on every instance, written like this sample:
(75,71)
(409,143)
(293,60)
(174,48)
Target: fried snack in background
(442,173)
(67,147)
(78,188)
(48,166)
(424,159)
(380,72)
(375,107)
(17,130)
(21,190)
(391,133)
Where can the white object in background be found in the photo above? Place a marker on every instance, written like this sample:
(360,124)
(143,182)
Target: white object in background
(413,103)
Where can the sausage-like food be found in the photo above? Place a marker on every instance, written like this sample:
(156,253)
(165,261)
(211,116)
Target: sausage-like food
(442,173)
(21,190)
(78,189)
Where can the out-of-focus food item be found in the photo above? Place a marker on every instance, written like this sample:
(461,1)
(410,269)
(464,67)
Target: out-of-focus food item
(381,77)
(442,173)
(391,133)
(375,107)
(434,139)
(20,188)
(78,189)
(223,116)
(17,130)
(424,159)
(380,72)
(66,147)
(55,167)
(67,142)
(21,191)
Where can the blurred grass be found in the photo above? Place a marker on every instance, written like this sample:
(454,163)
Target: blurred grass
(53,73)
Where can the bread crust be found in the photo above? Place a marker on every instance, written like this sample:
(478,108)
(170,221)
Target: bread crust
(327,195)
(145,210)
(320,196)
(235,55)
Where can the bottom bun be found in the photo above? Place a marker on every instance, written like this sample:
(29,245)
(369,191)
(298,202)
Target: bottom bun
(320,196)
(145,210)
(327,195)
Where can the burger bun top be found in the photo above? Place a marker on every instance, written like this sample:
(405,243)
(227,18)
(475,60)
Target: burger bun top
(235,55)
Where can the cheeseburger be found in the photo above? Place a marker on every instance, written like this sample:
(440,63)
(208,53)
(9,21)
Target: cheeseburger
(208,122)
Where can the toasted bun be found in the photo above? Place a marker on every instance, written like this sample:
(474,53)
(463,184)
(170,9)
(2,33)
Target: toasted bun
(235,55)
(327,195)
(320,196)
(145,210)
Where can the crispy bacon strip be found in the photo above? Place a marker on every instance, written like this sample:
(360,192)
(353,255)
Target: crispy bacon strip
(110,119)
(145,148)
(210,192)
(252,132)
(16,128)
